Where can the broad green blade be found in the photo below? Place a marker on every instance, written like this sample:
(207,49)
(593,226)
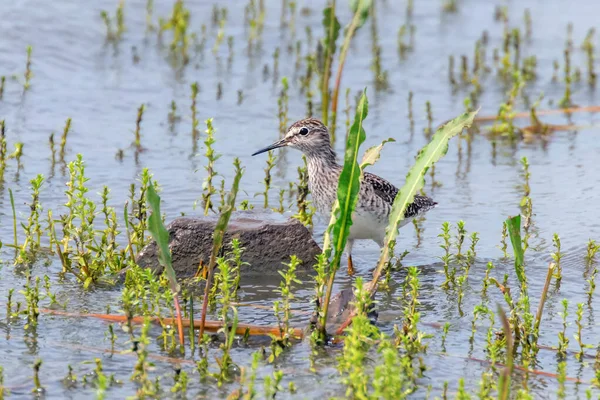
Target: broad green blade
(428,155)
(332,30)
(514,231)
(349,183)
(372,154)
(161,236)
(432,152)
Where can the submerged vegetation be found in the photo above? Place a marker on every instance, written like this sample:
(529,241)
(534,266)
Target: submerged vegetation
(517,310)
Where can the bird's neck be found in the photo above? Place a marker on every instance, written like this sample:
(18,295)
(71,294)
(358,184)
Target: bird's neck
(321,161)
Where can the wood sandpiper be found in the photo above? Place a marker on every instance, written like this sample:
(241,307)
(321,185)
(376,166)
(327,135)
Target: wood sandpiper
(376,194)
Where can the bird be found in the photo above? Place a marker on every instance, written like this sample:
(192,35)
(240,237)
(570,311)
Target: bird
(376,195)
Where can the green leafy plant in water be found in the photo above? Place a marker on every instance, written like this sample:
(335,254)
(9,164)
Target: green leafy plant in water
(208,189)
(218,235)
(272,384)
(361,336)
(37,385)
(332,30)
(504,124)
(267,180)
(63,139)
(283,107)
(112,35)
(142,367)
(563,340)
(78,228)
(28,74)
(236,260)
(138,127)
(229,316)
(181,381)
(3,389)
(285,306)
(305,209)
(3,151)
(178,22)
(514,229)
(33,229)
(557,256)
(360,8)
(161,236)
(414,182)
(408,337)
(447,257)
(505,375)
(347,197)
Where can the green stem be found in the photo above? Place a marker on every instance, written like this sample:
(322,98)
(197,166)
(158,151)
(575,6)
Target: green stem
(327,70)
(338,78)
(12,204)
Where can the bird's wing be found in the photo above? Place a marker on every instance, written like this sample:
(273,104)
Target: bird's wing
(388,193)
(382,188)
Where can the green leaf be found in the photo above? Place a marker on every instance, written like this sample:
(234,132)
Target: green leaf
(372,154)
(361,7)
(347,196)
(514,231)
(332,30)
(161,236)
(349,183)
(226,211)
(427,156)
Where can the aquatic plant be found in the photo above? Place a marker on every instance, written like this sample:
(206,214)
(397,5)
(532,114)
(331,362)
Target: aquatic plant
(414,182)
(285,290)
(557,256)
(138,127)
(208,188)
(37,385)
(282,105)
(566,100)
(218,234)
(381,76)
(347,197)
(112,35)
(161,236)
(222,18)
(63,139)
(33,229)
(178,23)
(228,315)
(28,74)
(360,338)
(360,8)
(267,180)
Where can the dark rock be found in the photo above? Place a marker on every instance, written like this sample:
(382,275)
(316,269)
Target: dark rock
(269,240)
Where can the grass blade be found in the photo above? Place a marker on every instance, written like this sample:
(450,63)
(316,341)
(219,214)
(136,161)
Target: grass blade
(161,236)
(218,235)
(331,26)
(514,231)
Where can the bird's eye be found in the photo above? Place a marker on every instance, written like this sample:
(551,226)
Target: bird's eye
(303,131)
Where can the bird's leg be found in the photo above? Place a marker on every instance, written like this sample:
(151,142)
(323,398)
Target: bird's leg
(349,245)
(350,265)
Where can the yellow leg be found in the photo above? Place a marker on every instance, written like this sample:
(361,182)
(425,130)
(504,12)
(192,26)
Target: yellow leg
(350,265)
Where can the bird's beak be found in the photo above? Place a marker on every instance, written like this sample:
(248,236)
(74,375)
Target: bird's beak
(280,143)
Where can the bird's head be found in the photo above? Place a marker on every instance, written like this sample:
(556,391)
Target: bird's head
(307,135)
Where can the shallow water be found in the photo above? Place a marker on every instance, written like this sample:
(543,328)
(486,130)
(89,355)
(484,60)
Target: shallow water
(77,74)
